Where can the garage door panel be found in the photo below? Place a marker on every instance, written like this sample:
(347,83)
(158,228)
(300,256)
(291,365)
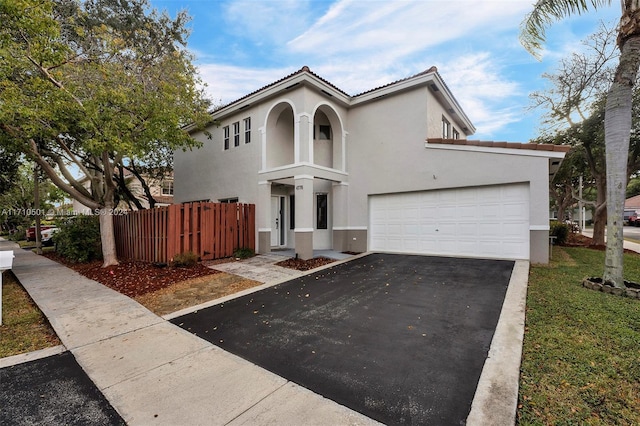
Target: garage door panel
(489,230)
(483,222)
(516,210)
(445,212)
(468,228)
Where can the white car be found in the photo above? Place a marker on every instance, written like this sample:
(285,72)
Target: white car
(47,235)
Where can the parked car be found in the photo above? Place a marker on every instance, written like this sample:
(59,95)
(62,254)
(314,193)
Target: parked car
(634,220)
(31,232)
(47,235)
(630,217)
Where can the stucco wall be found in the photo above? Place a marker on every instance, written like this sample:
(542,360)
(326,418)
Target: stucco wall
(211,172)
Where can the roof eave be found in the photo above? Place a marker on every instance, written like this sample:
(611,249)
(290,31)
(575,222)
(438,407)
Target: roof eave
(431,79)
(301,78)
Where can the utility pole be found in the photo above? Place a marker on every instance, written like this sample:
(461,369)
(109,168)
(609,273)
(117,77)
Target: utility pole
(580,213)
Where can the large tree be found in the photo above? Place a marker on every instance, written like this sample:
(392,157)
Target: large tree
(18,205)
(618,109)
(94,86)
(572,107)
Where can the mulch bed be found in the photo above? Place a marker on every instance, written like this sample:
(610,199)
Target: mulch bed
(579,240)
(134,278)
(305,265)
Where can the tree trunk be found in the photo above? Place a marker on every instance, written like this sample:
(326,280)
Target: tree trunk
(599,224)
(617,127)
(600,212)
(107,236)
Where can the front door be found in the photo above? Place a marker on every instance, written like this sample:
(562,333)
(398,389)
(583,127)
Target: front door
(277,221)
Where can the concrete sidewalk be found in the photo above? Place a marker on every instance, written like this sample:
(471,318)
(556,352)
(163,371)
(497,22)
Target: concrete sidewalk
(629,245)
(154,372)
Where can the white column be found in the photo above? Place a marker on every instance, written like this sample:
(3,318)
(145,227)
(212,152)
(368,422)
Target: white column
(263,217)
(304,216)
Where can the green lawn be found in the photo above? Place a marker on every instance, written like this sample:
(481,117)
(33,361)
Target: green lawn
(24,328)
(581,355)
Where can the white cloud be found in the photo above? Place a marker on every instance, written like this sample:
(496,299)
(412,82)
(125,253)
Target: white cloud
(227,83)
(391,30)
(267,22)
(490,100)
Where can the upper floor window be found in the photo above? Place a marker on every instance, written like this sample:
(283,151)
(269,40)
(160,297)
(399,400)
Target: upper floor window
(456,134)
(167,187)
(226,137)
(325,132)
(446,128)
(247,130)
(236,133)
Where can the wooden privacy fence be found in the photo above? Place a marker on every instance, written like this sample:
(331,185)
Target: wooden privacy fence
(210,230)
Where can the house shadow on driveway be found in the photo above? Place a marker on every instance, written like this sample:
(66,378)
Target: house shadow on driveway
(401,339)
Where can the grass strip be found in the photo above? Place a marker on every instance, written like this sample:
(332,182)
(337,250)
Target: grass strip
(24,328)
(581,354)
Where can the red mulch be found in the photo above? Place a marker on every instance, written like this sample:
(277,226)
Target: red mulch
(579,240)
(134,278)
(305,265)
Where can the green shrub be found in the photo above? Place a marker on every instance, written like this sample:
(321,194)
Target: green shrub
(243,253)
(78,239)
(188,258)
(19,235)
(560,231)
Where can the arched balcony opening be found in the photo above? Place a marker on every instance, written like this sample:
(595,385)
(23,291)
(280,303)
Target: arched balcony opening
(280,136)
(327,138)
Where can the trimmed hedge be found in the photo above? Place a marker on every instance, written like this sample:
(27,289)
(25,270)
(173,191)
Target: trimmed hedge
(559,230)
(78,239)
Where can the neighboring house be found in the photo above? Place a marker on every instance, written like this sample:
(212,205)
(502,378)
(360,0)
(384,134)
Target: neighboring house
(632,203)
(387,170)
(161,191)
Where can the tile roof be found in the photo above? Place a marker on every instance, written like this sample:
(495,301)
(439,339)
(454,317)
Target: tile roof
(306,69)
(633,202)
(431,70)
(510,145)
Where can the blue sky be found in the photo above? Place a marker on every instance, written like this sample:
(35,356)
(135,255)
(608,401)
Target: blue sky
(242,45)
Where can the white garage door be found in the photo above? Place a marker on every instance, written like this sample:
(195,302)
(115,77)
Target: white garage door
(488,222)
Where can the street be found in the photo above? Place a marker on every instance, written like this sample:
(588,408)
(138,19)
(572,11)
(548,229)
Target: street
(631,233)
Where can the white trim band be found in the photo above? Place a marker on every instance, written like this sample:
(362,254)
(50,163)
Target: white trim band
(350,228)
(539,228)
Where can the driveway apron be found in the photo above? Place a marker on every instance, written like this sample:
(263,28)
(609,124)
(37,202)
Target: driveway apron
(401,339)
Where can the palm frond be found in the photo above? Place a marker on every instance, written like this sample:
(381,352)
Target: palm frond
(544,13)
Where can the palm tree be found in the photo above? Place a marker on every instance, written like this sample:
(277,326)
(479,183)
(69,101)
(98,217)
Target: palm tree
(617,123)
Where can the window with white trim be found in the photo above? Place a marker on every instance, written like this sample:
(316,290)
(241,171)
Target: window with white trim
(226,137)
(167,187)
(456,134)
(247,130)
(236,133)
(446,128)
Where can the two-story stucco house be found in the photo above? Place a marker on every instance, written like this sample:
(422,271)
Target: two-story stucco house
(388,170)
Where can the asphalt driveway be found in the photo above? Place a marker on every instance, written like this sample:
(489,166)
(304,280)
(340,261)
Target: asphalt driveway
(52,391)
(401,339)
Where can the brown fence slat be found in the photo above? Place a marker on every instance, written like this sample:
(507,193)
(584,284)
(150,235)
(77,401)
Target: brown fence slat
(210,230)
